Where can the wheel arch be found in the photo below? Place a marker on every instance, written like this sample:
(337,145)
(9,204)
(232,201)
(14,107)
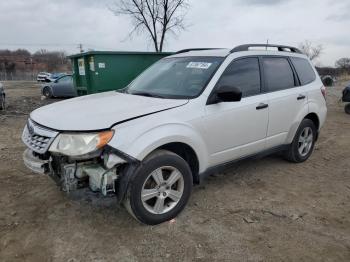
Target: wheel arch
(314,118)
(182,149)
(178,138)
(187,153)
(311,116)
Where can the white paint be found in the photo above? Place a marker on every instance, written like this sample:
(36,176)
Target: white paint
(217,133)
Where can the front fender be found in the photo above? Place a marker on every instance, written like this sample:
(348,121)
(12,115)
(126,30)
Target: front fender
(146,142)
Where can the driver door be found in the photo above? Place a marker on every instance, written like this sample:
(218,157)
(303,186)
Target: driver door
(65,86)
(237,129)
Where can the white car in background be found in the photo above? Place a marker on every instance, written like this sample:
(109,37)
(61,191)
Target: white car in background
(189,115)
(43,76)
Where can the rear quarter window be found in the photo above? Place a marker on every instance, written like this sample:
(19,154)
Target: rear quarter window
(304,70)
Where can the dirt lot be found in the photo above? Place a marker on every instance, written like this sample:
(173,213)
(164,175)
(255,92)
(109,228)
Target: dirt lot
(261,210)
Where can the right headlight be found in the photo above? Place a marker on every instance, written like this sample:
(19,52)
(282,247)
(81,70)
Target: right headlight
(75,144)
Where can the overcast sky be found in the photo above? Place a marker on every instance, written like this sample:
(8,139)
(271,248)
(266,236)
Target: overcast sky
(49,24)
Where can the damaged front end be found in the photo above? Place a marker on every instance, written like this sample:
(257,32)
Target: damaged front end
(99,169)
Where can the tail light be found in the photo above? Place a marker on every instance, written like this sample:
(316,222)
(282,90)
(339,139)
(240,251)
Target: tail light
(323,91)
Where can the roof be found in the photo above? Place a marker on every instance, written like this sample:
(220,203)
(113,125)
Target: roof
(119,53)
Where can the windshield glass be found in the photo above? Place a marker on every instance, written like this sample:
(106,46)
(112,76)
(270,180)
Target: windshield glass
(177,77)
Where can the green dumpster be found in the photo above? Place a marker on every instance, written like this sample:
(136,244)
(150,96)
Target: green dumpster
(100,71)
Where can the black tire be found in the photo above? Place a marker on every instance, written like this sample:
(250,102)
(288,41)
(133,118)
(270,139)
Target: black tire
(133,201)
(347,109)
(2,103)
(293,154)
(47,92)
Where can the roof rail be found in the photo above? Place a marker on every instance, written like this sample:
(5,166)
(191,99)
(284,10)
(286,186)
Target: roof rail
(279,48)
(194,49)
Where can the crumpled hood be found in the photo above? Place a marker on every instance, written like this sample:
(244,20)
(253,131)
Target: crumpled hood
(99,111)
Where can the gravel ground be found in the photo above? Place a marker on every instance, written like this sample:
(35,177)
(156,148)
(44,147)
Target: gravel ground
(260,210)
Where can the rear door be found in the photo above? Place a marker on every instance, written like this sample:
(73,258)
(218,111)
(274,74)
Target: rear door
(286,98)
(236,129)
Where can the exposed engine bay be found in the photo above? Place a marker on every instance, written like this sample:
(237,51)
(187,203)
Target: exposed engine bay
(100,172)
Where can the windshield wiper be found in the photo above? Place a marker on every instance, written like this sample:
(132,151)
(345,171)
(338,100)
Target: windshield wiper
(147,94)
(123,91)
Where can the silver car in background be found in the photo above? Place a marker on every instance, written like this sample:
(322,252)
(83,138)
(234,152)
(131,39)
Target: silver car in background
(61,87)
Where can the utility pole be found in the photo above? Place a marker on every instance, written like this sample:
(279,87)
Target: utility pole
(32,67)
(80,46)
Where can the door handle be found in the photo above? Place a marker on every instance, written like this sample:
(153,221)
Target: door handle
(300,97)
(262,106)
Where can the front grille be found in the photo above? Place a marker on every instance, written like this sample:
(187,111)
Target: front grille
(38,138)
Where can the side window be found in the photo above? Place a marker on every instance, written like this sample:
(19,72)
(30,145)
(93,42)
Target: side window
(65,79)
(278,73)
(244,74)
(304,70)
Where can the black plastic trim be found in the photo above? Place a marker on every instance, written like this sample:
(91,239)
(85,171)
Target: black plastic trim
(262,106)
(280,48)
(222,167)
(126,157)
(195,49)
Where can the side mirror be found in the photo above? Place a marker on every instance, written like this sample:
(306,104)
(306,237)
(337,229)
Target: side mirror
(225,94)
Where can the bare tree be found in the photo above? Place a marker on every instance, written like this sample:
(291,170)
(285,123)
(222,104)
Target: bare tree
(313,52)
(155,17)
(343,63)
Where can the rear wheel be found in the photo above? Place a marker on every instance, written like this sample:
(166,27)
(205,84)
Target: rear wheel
(303,142)
(347,108)
(47,92)
(160,189)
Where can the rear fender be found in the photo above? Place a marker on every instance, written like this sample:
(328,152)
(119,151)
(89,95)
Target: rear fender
(294,127)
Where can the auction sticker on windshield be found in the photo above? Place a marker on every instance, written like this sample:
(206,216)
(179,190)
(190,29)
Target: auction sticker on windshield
(199,65)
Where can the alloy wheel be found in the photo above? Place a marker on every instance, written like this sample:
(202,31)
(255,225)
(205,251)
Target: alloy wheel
(162,190)
(305,141)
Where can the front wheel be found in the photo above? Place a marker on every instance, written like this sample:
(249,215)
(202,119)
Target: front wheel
(303,142)
(47,92)
(160,189)
(2,103)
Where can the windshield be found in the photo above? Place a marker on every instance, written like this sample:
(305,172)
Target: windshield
(177,77)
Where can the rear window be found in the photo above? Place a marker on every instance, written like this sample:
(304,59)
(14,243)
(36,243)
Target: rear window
(304,70)
(278,73)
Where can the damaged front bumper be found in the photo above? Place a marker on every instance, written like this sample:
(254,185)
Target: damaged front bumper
(105,170)
(99,172)
(34,163)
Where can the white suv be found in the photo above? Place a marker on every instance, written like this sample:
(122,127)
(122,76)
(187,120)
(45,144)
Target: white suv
(188,115)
